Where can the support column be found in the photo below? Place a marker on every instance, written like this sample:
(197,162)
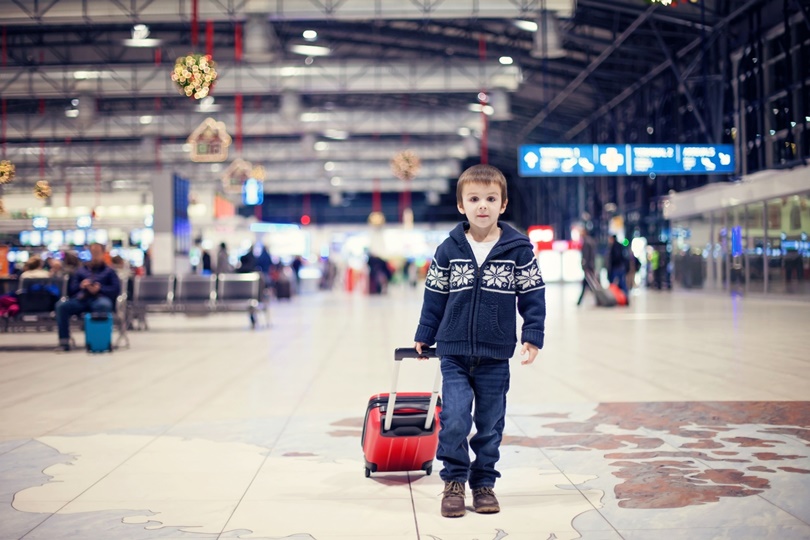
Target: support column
(162,249)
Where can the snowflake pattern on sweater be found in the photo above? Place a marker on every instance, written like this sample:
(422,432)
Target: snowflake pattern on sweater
(438,278)
(496,276)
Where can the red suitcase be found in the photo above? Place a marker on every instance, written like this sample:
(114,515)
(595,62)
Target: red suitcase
(401,430)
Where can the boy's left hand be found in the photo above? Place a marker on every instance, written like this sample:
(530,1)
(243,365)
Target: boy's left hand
(531,350)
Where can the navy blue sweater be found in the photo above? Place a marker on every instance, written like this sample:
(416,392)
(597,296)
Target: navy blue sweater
(102,274)
(470,311)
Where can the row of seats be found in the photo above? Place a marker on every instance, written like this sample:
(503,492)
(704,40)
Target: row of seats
(192,293)
(37,298)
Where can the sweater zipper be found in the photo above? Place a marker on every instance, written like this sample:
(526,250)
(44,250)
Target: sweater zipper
(476,280)
(474,317)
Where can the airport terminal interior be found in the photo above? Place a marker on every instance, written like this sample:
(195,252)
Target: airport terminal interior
(267,183)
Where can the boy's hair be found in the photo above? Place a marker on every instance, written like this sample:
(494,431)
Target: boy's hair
(481,174)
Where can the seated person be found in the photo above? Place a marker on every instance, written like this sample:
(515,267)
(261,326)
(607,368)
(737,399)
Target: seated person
(35,268)
(93,288)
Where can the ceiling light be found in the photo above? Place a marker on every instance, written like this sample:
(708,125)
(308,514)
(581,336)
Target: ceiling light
(329,166)
(207,105)
(140,31)
(310,50)
(310,35)
(144,43)
(312,117)
(506,60)
(290,71)
(463,131)
(71,113)
(320,146)
(528,26)
(145,119)
(336,181)
(140,37)
(83,75)
(337,134)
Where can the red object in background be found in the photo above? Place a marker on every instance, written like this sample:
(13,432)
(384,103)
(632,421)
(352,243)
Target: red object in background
(621,298)
(305,220)
(542,237)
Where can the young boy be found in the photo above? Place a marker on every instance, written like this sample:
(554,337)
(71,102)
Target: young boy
(469,312)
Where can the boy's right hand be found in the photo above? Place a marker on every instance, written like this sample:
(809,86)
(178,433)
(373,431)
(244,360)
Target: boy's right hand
(418,346)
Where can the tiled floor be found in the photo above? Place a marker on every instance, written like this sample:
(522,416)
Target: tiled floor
(685,416)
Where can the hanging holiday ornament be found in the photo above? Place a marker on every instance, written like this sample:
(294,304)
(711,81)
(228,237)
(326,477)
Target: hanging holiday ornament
(405,165)
(377,219)
(42,190)
(194,74)
(6,171)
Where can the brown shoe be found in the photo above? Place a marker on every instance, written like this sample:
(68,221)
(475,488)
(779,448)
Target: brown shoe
(453,500)
(484,501)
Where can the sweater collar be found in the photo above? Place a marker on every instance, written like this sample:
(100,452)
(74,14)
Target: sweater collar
(508,237)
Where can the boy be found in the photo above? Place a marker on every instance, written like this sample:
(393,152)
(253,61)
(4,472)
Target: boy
(469,311)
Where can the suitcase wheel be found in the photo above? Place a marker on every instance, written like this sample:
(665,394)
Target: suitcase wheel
(429,470)
(368,472)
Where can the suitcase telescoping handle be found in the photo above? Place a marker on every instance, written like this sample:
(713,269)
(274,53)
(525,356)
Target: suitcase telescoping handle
(399,355)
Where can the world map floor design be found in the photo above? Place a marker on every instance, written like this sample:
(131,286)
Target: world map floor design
(690,470)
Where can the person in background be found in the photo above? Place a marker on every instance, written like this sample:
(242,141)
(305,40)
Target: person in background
(147,261)
(247,262)
(35,268)
(588,262)
(223,262)
(264,261)
(93,288)
(617,271)
(206,262)
(296,265)
(476,277)
(121,267)
(124,272)
(71,262)
(55,268)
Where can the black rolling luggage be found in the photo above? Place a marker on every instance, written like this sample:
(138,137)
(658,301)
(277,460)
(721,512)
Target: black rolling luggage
(283,289)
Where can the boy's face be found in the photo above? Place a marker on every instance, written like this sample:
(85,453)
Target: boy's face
(482,204)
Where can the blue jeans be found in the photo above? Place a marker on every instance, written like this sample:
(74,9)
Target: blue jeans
(76,306)
(484,382)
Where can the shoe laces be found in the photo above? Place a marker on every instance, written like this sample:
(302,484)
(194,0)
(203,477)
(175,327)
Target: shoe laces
(484,491)
(454,488)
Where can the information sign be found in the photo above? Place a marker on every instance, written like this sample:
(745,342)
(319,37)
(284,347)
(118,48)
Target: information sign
(625,159)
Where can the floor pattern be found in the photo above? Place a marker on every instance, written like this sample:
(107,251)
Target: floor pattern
(683,417)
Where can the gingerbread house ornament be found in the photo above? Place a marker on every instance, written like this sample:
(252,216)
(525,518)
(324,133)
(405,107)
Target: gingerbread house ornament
(209,142)
(235,175)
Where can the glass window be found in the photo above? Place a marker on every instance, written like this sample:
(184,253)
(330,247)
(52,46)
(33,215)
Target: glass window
(773,245)
(755,246)
(794,244)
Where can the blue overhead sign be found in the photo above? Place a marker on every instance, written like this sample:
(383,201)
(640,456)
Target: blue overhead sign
(625,159)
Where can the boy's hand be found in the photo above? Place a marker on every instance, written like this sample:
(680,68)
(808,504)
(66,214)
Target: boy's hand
(531,350)
(418,346)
